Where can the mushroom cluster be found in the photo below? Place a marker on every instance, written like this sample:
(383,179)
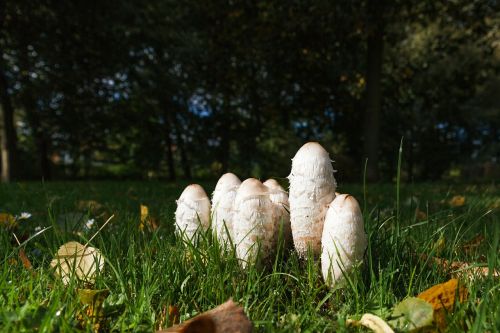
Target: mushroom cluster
(252,216)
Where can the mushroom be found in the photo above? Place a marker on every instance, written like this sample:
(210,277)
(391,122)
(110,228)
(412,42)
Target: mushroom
(312,188)
(279,198)
(344,239)
(222,207)
(253,222)
(193,211)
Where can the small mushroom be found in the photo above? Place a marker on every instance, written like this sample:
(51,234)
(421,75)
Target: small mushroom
(344,240)
(222,207)
(193,211)
(279,198)
(253,222)
(312,188)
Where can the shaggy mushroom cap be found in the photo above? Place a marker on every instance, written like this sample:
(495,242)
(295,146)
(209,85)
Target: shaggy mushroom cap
(273,185)
(312,189)
(227,181)
(252,187)
(253,223)
(344,239)
(223,207)
(193,210)
(193,192)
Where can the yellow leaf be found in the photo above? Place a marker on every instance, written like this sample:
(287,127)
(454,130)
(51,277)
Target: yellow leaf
(457,201)
(442,297)
(373,322)
(93,301)
(7,220)
(144,216)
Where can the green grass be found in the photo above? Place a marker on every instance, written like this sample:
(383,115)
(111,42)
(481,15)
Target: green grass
(147,271)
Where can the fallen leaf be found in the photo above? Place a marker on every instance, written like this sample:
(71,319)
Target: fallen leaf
(93,301)
(373,322)
(168,318)
(144,216)
(439,246)
(411,314)
(7,220)
(24,259)
(147,220)
(459,269)
(442,298)
(82,261)
(420,215)
(173,315)
(443,295)
(473,244)
(91,206)
(457,201)
(227,317)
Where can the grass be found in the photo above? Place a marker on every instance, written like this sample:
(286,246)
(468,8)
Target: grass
(148,271)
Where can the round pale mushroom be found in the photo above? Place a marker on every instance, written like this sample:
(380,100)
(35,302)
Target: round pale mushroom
(279,198)
(312,188)
(344,240)
(193,211)
(253,223)
(222,207)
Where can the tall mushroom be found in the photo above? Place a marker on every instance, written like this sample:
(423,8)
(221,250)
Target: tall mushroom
(312,188)
(222,207)
(253,222)
(279,198)
(344,239)
(193,211)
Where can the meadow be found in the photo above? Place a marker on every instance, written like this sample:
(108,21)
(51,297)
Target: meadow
(149,269)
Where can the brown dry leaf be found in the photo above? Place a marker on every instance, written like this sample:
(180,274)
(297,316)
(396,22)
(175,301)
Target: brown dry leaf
(420,215)
(457,201)
(227,317)
(173,315)
(168,318)
(460,269)
(373,322)
(442,297)
(74,258)
(89,205)
(7,220)
(24,259)
(473,244)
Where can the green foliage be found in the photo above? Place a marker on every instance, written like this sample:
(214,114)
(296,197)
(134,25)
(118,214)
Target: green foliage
(190,88)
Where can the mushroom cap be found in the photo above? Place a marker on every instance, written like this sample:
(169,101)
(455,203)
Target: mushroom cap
(311,150)
(193,192)
(273,185)
(251,187)
(227,181)
(346,203)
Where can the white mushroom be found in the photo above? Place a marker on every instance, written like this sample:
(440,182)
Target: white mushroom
(193,211)
(279,198)
(222,207)
(253,222)
(344,239)
(312,188)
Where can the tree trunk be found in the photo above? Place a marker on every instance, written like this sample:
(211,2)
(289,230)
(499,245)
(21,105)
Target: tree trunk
(43,149)
(9,137)
(375,52)
(168,143)
(186,168)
